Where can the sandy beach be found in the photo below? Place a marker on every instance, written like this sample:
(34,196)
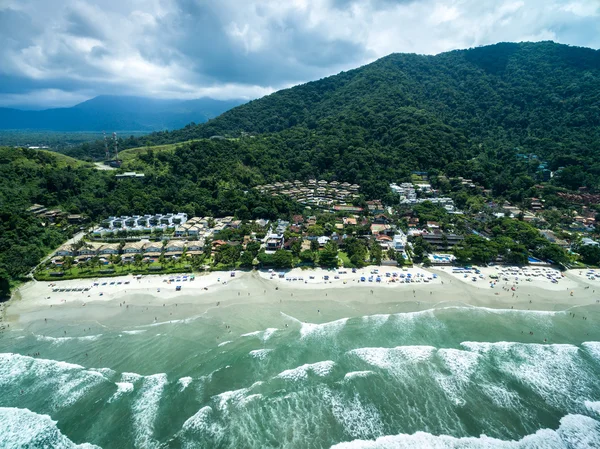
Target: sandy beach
(253,300)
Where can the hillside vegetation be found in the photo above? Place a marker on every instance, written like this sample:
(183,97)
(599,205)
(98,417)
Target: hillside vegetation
(467,112)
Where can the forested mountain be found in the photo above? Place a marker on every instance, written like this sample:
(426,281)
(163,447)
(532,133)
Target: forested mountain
(117,113)
(406,112)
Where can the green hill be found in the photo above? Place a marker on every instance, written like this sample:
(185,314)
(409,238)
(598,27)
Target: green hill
(410,112)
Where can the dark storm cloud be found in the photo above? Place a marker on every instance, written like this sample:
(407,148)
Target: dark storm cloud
(57,51)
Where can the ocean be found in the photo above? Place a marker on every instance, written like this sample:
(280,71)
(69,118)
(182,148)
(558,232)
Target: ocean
(451,377)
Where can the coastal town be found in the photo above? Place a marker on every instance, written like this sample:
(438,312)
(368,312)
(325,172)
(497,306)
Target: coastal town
(429,222)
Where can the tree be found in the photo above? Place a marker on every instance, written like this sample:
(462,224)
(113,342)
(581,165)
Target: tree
(376,253)
(282,259)
(265,259)
(328,257)
(315,231)
(308,256)
(4,284)
(444,241)
(418,252)
(314,245)
(68,263)
(463,255)
(518,255)
(400,259)
(553,252)
(296,247)
(253,248)
(590,254)
(246,259)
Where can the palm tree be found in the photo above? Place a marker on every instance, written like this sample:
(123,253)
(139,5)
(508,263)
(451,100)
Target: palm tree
(95,262)
(184,255)
(68,263)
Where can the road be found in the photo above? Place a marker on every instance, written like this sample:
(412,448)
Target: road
(101,166)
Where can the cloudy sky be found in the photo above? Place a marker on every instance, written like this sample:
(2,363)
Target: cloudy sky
(61,52)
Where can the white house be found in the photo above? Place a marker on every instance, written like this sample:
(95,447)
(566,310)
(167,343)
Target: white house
(399,241)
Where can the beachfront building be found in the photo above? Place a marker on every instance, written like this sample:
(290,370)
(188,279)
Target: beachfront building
(152,250)
(384,241)
(174,249)
(65,251)
(274,242)
(109,249)
(89,249)
(441,240)
(281,226)
(129,175)
(195,248)
(399,241)
(133,248)
(323,240)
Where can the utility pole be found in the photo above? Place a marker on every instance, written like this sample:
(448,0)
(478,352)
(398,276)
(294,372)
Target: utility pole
(116,143)
(106,152)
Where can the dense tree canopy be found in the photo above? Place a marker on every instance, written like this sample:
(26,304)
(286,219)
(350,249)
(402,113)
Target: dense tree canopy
(468,112)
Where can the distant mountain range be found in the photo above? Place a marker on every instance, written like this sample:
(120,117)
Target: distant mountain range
(117,113)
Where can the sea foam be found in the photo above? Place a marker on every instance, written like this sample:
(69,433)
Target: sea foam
(355,374)
(593,406)
(22,428)
(61,340)
(260,354)
(184,382)
(392,358)
(324,330)
(263,335)
(320,369)
(122,388)
(145,409)
(201,427)
(575,431)
(556,372)
(67,381)
(592,348)
(359,419)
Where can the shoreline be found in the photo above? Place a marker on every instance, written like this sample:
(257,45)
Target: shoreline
(218,296)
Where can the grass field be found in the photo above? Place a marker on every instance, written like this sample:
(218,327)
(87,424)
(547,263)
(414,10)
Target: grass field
(75,272)
(132,153)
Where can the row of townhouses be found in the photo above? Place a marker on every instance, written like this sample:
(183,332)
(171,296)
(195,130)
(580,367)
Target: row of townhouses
(129,250)
(145,223)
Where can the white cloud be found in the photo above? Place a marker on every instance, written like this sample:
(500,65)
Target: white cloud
(63,49)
